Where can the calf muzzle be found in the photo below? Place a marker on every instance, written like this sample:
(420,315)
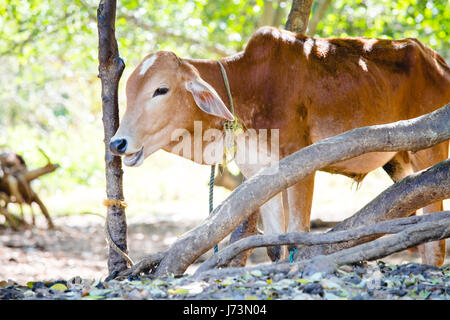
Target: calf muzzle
(118,146)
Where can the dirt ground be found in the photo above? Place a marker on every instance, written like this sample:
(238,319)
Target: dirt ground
(78,248)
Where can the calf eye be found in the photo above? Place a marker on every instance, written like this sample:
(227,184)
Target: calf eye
(159,91)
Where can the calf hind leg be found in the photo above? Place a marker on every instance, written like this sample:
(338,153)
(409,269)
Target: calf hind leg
(402,165)
(273,222)
(398,168)
(432,253)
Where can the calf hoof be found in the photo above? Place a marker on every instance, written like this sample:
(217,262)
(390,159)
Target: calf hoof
(274,253)
(291,248)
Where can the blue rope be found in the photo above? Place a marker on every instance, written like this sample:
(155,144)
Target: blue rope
(291,255)
(211,195)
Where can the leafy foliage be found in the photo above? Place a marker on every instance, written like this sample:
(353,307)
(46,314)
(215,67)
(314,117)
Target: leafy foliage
(49,93)
(427,20)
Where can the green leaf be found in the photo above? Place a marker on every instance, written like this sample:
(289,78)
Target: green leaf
(58,287)
(256,273)
(178,291)
(302,281)
(158,282)
(94,297)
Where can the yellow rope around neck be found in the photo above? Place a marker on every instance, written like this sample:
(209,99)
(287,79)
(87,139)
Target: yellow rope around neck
(109,240)
(231,128)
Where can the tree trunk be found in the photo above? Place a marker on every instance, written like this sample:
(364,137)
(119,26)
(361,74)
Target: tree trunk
(267,15)
(110,70)
(299,15)
(278,15)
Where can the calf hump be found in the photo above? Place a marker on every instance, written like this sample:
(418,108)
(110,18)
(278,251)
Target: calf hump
(261,45)
(405,55)
(266,42)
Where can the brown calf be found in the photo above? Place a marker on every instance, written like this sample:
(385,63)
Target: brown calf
(308,88)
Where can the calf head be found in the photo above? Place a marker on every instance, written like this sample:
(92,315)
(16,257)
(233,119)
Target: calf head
(164,93)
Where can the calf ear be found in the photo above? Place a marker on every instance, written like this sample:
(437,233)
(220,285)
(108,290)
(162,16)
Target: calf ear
(207,99)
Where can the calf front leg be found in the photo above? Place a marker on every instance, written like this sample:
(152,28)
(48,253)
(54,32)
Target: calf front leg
(273,223)
(247,228)
(300,198)
(272,215)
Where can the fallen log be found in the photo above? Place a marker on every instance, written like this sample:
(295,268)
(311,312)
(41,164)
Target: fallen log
(410,237)
(414,134)
(147,265)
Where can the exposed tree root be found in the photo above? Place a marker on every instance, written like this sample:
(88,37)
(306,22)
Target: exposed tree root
(223,258)
(146,265)
(379,248)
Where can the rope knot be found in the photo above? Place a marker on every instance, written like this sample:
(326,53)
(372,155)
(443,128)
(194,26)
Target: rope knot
(114,202)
